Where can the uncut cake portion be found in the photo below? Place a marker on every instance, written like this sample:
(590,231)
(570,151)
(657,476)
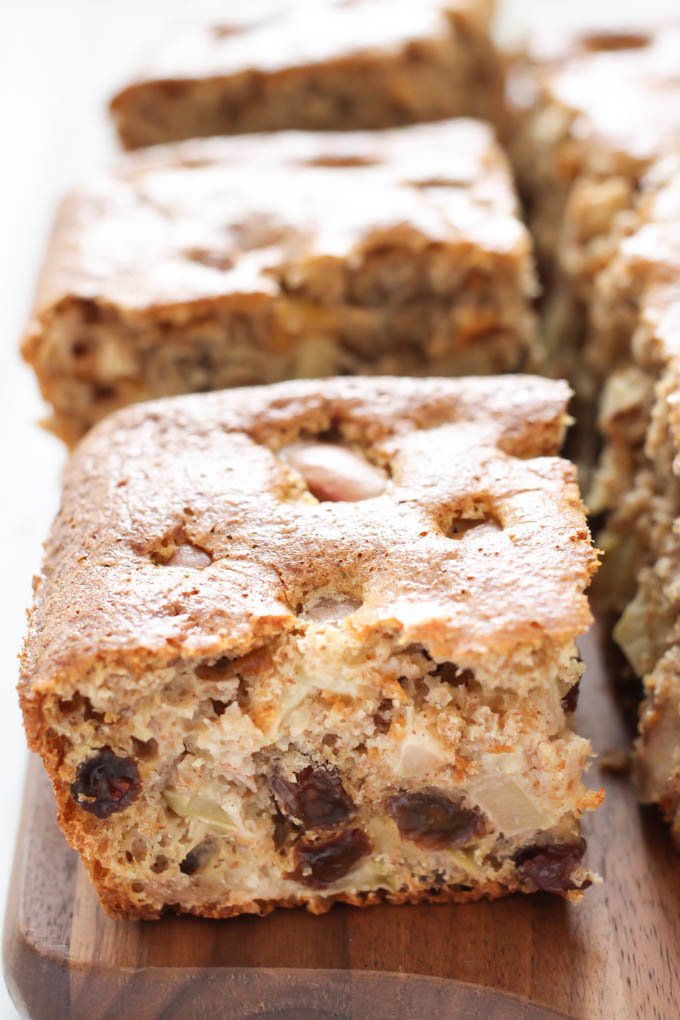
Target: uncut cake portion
(232,262)
(597,108)
(314,64)
(315,642)
(637,333)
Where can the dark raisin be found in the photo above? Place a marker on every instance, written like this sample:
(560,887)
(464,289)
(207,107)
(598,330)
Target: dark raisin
(550,866)
(433,820)
(106,783)
(315,798)
(325,861)
(198,857)
(570,699)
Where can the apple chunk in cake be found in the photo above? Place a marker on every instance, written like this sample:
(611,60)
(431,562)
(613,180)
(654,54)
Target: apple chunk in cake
(315,642)
(383,254)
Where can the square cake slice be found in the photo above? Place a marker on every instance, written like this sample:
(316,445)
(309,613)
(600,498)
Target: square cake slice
(637,486)
(231,262)
(315,642)
(268,65)
(603,105)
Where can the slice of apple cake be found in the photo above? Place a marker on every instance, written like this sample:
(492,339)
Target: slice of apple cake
(315,642)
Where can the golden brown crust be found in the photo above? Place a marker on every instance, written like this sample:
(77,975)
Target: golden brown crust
(117,903)
(206,466)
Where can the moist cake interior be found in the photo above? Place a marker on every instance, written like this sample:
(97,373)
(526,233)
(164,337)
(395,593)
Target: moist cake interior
(332,658)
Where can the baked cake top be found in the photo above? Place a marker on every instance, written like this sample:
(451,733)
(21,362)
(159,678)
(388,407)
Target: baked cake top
(187,528)
(273,36)
(627,99)
(185,223)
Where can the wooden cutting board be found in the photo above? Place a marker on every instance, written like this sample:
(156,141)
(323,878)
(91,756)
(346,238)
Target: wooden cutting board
(614,956)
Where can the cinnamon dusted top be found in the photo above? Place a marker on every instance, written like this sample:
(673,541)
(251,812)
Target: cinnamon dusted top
(274,36)
(476,545)
(186,223)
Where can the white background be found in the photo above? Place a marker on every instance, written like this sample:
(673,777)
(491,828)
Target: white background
(59,61)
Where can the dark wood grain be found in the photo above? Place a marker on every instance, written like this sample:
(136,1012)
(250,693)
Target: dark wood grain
(615,955)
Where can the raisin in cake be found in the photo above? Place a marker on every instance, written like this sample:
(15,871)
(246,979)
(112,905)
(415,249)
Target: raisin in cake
(598,158)
(365,253)
(314,64)
(315,642)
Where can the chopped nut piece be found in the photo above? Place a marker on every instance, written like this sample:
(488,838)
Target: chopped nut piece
(330,608)
(335,473)
(190,556)
(202,808)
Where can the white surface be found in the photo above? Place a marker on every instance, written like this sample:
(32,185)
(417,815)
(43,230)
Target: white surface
(59,60)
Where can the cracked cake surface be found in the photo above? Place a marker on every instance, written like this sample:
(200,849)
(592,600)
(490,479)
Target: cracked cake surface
(315,641)
(315,64)
(400,252)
